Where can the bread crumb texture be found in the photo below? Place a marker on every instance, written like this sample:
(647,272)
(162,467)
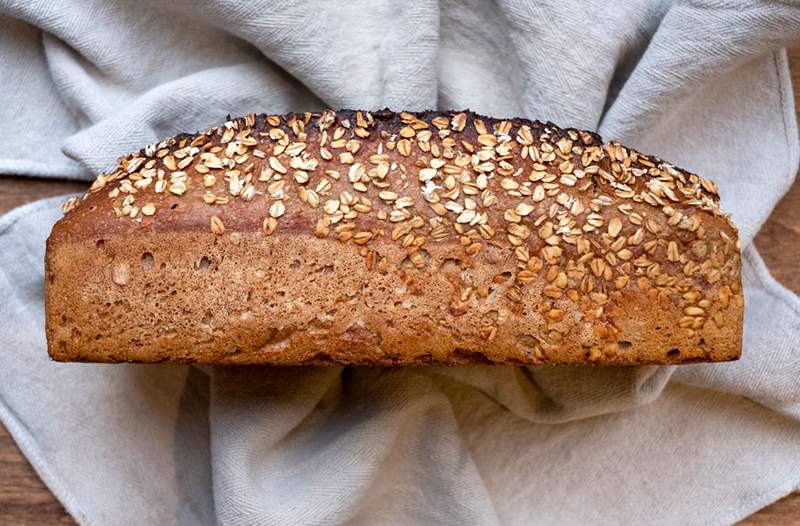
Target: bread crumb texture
(390,238)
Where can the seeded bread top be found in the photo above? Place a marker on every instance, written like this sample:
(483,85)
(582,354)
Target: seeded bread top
(593,220)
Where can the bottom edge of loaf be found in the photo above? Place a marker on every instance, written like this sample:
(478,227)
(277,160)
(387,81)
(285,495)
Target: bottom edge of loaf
(419,361)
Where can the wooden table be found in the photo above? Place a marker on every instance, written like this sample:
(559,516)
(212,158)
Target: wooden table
(24,499)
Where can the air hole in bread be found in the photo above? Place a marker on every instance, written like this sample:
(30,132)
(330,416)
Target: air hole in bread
(319,323)
(322,357)
(470,356)
(624,345)
(168,332)
(100,243)
(203,264)
(491,316)
(63,320)
(391,357)
(492,294)
(276,340)
(503,276)
(174,206)
(423,358)
(451,265)
(356,333)
(147,260)
(62,347)
(295,263)
(673,353)
(526,340)
(327,269)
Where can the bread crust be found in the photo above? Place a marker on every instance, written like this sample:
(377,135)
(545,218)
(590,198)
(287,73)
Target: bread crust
(384,238)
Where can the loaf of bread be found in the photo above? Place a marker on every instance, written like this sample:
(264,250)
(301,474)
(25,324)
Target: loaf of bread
(387,238)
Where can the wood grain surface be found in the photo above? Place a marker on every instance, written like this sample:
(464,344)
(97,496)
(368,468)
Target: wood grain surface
(24,499)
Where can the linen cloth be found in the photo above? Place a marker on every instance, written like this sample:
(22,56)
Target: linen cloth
(703,83)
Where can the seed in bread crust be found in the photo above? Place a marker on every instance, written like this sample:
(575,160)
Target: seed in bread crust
(269,225)
(217,226)
(121,273)
(277,209)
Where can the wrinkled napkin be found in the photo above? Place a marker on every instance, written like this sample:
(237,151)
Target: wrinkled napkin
(702,83)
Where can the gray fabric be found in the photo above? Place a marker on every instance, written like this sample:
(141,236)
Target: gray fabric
(702,83)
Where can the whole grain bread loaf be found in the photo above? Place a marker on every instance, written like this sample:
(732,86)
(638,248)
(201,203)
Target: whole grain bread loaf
(393,239)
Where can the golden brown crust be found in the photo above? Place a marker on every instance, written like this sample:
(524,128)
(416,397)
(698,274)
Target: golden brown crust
(394,239)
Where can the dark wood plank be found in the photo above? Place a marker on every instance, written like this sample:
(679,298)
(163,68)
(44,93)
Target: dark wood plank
(785,512)
(24,499)
(15,191)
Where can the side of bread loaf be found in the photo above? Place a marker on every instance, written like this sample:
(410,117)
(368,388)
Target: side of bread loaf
(394,239)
